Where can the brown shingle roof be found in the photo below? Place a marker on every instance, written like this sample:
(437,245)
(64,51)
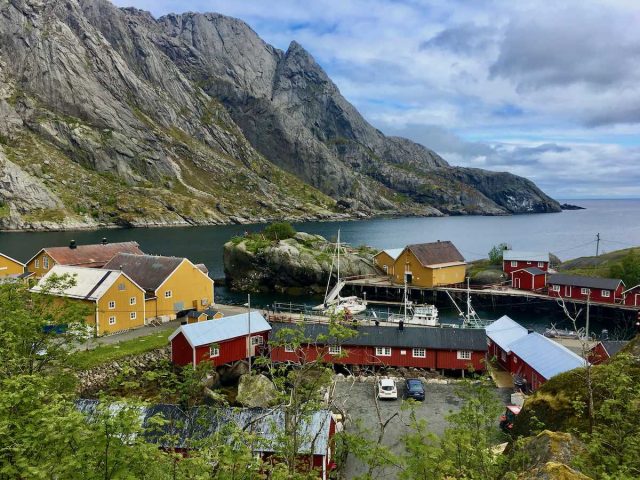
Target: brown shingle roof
(436,253)
(148,271)
(91,255)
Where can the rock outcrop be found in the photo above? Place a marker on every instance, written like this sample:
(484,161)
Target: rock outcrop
(296,265)
(109,116)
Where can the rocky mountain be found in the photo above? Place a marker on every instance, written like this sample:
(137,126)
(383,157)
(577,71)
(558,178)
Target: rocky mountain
(110,116)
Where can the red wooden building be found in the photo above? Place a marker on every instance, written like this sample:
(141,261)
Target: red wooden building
(435,348)
(536,358)
(513,260)
(605,349)
(532,278)
(220,341)
(577,287)
(632,296)
(500,335)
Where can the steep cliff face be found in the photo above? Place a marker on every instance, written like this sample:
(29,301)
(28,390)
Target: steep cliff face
(119,118)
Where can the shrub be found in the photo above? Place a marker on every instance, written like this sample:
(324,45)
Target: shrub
(279,231)
(495,255)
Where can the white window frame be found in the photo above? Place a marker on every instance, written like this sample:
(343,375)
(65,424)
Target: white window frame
(335,349)
(133,301)
(463,355)
(289,348)
(214,351)
(112,304)
(37,263)
(514,263)
(515,359)
(555,288)
(45,262)
(133,315)
(584,291)
(168,294)
(383,351)
(416,353)
(122,286)
(112,320)
(257,340)
(605,293)
(540,264)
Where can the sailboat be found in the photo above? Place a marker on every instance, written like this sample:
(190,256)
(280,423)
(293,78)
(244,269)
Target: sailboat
(333,302)
(425,315)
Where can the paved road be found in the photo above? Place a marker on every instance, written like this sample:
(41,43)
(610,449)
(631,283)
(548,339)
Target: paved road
(359,402)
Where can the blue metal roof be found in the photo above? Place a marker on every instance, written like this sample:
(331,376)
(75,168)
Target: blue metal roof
(225,328)
(545,356)
(504,331)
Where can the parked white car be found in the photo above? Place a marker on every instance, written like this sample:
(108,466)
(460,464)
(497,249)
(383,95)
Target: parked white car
(387,389)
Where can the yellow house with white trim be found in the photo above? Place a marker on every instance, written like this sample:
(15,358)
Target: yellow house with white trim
(117,303)
(10,267)
(173,285)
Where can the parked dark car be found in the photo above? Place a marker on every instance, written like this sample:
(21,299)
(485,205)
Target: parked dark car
(415,389)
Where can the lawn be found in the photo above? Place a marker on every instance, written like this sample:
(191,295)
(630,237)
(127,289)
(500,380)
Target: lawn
(86,359)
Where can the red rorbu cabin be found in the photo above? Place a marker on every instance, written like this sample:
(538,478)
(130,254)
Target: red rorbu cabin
(632,296)
(513,261)
(532,278)
(500,335)
(604,350)
(420,347)
(577,287)
(221,341)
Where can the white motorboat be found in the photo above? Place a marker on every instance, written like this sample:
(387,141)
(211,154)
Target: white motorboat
(425,315)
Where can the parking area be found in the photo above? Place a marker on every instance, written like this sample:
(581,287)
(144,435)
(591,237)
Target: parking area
(359,401)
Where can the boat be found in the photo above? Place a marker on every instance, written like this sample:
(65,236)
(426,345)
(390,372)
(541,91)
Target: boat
(425,315)
(554,332)
(333,303)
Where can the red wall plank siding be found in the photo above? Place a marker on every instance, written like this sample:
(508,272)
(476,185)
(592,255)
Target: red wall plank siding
(575,292)
(533,378)
(525,281)
(598,354)
(632,297)
(230,350)
(508,269)
(448,360)
(181,352)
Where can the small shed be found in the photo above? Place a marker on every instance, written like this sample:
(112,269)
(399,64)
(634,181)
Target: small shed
(500,335)
(220,341)
(531,278)
(513,260)
(632,296)
(605,349)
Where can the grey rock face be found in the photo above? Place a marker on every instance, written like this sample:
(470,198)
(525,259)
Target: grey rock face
(193,119)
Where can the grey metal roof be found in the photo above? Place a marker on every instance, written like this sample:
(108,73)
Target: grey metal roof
(180,428)
(613,346)
(545,356)
(504,331)
(532,271)
(435,253)
(221,329)
(411,337)
(582,281)
(148,271)
(525,256)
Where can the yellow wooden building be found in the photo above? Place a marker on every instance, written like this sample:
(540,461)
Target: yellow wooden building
(173,285)
(10,267)
(385,260)
(430,265)
(94,256)
(115,300)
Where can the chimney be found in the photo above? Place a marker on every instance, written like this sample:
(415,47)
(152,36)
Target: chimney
(401,325)
(529,331)
(104,240)
(72,244)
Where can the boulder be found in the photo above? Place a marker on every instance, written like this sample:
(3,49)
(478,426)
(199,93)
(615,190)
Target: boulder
(256,391)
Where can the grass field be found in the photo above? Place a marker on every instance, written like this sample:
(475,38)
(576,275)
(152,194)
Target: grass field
(86,359)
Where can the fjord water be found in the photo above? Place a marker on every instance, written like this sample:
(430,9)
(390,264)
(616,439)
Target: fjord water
(568,234)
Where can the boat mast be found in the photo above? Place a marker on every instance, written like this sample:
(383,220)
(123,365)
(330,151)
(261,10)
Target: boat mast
(338,255)
(406,300)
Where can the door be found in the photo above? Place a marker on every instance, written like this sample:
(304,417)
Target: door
(516,282)
(408,277)
(637,299)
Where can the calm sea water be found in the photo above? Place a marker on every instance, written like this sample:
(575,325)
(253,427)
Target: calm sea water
(568,234)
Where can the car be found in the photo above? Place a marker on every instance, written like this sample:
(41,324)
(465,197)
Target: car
(415,389)
(387,389)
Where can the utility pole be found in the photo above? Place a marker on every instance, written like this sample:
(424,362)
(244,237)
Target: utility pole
(597,244)
(249,320)
(587,324)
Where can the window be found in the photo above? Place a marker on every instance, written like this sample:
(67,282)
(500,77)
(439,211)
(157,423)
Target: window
(385,268)
(112,304)
(289,349)
(37,263)
(132,301)
(419,353)
(335,349)
(257,340)
(132,315)
(168,294)
(45,263)
(503,356)
(464,355)
(488,342)
(122,286)
(515,359)
(606,293)
(514,263)
(112,320)
(383,351)
(540,264)
(584,291)
(214,352)
(529,263)
(555,288)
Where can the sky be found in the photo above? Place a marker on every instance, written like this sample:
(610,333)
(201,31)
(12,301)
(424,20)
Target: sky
(547,90)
